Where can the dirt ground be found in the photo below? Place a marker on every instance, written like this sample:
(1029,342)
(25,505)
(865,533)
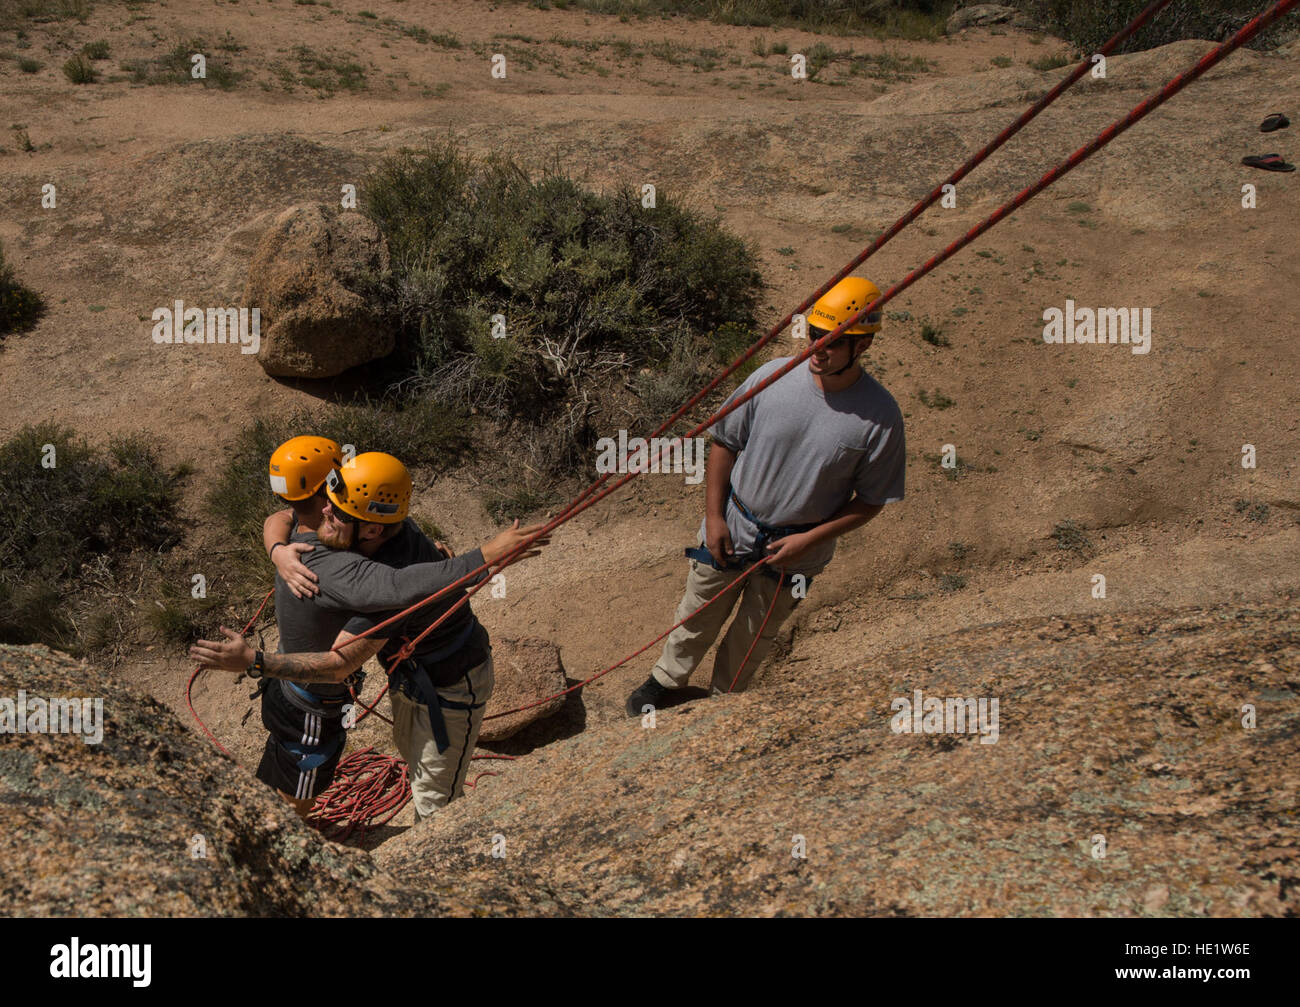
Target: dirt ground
(163,189)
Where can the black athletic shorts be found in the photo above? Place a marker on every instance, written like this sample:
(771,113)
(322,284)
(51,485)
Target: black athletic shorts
(305,744)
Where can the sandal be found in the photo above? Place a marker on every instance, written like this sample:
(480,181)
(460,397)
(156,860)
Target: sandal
(1269,162)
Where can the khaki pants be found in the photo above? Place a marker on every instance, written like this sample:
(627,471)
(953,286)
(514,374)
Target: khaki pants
(687,644)
(437,778)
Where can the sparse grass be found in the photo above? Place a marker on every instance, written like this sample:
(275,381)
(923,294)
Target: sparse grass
(1257,512)
(959,550)
(950,582)
(328,73)
(1070,537)
(1001,61)
(933,335)
(95,50)
(913,19)
(1078,207)
(728,341)
(935,399)
(29,65)
(957,470)
(38,11)
(518,503)
(1046,63)
(889,67)
(176,66)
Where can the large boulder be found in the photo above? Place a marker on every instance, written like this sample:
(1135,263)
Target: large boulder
(308,277)
(980,16)
(527,669)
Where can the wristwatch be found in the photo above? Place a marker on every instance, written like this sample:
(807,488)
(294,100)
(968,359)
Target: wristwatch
(256,669)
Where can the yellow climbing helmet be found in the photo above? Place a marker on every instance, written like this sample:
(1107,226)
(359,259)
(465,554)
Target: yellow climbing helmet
(371,487)
(299,466)
(842,302)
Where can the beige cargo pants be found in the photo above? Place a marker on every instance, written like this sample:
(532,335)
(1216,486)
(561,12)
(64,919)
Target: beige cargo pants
(437,778)
(687,644)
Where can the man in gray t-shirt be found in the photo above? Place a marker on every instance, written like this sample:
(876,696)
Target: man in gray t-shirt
(811,457)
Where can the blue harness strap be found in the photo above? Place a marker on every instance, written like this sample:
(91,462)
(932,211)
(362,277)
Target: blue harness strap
(424,691)
(766,534)
(312,756)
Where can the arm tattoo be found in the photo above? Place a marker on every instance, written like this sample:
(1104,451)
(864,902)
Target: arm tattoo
(327,666)
(303,667)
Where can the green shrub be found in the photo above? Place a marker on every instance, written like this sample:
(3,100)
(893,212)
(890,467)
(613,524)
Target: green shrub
(591,286)
(89,503)
(19,307)
(933,335)
(29,65)
(95,50)
(935,400)
(1089,23)
(79,71)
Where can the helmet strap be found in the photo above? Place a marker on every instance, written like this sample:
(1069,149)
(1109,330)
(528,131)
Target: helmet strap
(853,359)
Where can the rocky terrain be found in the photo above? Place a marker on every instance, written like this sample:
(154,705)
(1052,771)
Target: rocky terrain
(1122,780)
(1120,729)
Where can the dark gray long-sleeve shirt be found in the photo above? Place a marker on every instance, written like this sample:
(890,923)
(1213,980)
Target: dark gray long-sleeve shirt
(350,584)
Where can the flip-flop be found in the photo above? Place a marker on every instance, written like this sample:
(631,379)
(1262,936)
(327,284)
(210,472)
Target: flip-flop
(1269,162)
(1275,121)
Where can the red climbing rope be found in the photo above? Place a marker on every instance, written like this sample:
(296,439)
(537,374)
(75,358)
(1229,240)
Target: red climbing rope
(759,635)
(578,504)
(606,671)
(189,686)
(593,494)
(369,789)
(1069,164)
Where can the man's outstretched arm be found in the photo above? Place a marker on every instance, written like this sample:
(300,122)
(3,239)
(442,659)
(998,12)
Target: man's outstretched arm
(354,583)
(235,655)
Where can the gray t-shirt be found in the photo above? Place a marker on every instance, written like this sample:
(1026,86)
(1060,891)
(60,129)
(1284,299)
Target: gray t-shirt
(803,454)
(350,583)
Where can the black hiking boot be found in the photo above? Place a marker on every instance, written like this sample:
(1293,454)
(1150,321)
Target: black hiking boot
(648,694)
